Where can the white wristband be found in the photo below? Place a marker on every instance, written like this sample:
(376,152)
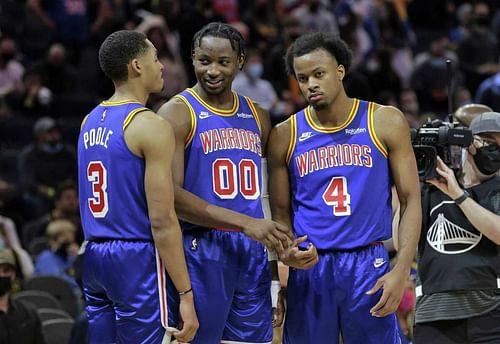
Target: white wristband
(275,290)
(271,255)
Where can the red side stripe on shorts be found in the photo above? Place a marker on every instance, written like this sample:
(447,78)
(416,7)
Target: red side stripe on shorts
(162,288)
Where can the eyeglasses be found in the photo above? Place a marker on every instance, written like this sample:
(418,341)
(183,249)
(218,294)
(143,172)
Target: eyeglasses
(481,142)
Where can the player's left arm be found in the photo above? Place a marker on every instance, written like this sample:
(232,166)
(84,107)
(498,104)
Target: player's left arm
(392,129)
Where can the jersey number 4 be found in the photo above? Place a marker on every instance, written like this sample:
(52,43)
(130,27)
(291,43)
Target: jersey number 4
(97,175)
(337,196)
(229,179)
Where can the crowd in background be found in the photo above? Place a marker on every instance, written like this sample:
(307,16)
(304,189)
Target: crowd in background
(50,79)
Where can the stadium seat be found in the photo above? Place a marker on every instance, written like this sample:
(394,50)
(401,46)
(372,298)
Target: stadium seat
(52,313)
(39,299)
(57,331)
(57,287)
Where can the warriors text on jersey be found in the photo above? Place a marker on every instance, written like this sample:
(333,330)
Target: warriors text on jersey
(340,180)
(223,155)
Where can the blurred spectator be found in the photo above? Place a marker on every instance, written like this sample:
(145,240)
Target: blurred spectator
(56,73)
(408,103)
(44,164)
(34,100)
(479,51)
(9,239)
(274,64)
(66,208)
(378,69)
(262,20)
(70,21)
(464,19)
(488,92)
(249,83)
(58,259)
(229,9)
(316,17)
(19,321)
(11,71)
(167,46)
(430,77)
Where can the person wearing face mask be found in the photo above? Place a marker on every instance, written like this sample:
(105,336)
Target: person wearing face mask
(60,256)
(249,83)
(19,321)
(45,164)
(458,297)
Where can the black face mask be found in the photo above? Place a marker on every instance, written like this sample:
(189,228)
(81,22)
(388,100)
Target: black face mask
(5,285)
(314,7)
(487,159)
(63,249)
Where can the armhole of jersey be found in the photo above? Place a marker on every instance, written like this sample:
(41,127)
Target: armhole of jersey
(293,137)
(84,121)
(254,113)
(371,128)
(131,116)
(191,132)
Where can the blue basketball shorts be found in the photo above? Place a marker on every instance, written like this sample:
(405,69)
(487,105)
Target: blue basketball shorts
(124,284)
(329,299)
(231,282)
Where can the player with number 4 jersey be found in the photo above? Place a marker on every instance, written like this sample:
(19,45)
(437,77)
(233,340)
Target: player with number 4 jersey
(331,169)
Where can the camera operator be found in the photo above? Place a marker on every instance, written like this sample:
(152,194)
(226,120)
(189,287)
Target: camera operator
(458,299)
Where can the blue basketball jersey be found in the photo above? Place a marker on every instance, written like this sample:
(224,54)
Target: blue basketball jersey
(340,181)
(111,177)
(223,155)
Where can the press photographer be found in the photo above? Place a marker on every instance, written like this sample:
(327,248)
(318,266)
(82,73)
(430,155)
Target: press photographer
(458,299)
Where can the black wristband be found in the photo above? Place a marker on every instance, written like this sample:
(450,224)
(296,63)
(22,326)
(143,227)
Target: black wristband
(185,292)
(462,198)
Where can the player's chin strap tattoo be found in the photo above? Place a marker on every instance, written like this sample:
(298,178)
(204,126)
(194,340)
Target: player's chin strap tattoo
(266,208)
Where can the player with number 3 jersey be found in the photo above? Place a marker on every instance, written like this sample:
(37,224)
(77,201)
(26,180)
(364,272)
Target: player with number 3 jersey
(127,208)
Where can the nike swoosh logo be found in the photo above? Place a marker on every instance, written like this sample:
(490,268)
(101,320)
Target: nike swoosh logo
(204,115)
(305,137)
(379,263)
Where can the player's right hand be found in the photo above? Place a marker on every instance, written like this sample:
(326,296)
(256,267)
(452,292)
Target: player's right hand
(273,235)
(190,323)
(300,259)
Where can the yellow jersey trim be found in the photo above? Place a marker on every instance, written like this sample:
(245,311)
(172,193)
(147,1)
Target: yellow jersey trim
(254,113)
(293,137)
(321,129)
(119,102)
(131,116)
(236,104)
(83,121)
(371,129)
(191,132)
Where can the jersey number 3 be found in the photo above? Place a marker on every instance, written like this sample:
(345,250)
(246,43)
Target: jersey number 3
(337,196)
(97,175)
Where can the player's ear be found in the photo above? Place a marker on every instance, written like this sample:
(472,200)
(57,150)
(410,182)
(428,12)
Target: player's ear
(241,61)
(135,66)
(341,72)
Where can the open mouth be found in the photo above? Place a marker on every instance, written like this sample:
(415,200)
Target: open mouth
(214,83)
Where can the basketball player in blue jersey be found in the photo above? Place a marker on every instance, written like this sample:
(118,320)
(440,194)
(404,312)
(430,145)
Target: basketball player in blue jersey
(127,207)
(220,141)
(331,169)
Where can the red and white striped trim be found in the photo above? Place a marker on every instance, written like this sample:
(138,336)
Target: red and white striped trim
(162,290)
